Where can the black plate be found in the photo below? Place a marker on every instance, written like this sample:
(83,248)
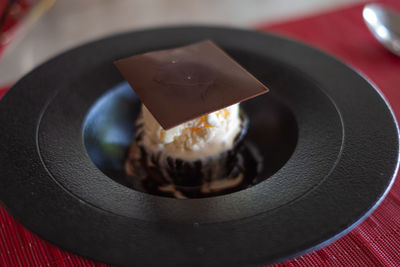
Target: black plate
(329,141)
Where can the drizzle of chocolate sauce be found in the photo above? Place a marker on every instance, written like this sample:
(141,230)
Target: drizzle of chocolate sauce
(143,176)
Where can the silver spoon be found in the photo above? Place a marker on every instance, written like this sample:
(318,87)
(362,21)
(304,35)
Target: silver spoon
(384,23)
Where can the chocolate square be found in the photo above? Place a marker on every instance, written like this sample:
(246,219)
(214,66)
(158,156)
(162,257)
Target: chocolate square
(180,84)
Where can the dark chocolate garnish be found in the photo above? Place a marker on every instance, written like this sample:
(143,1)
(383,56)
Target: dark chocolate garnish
(181,84)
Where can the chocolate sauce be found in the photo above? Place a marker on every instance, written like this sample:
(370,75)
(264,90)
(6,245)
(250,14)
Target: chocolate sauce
(143,176)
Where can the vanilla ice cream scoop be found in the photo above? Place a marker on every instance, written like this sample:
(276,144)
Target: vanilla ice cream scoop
(208,135)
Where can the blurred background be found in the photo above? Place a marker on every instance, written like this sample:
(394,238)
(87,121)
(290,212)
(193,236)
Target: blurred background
(32,31)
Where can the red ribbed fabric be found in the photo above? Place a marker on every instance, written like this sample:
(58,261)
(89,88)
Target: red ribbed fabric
(375,242)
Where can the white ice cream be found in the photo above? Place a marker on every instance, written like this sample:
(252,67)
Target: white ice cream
(208,135)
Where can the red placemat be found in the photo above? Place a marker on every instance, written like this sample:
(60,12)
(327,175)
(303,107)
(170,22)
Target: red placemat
(375,242)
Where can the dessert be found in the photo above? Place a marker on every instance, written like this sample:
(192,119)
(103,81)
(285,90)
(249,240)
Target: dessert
(190,131)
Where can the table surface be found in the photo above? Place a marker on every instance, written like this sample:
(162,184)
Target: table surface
(70,23)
